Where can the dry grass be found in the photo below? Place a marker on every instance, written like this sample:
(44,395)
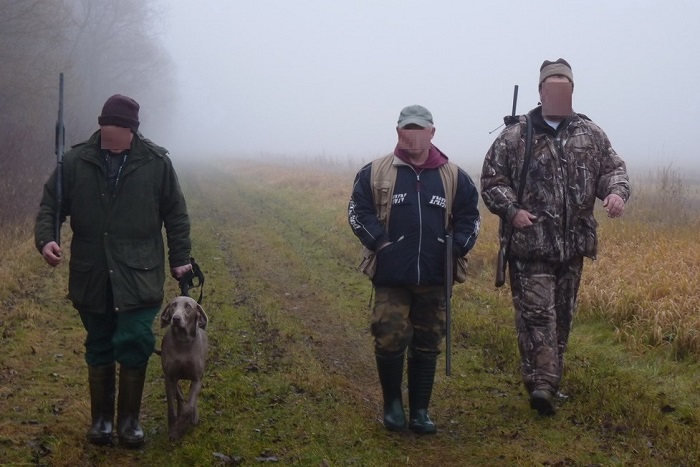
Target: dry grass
(647,278)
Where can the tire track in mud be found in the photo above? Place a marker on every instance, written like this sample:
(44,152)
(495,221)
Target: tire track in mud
(239,212)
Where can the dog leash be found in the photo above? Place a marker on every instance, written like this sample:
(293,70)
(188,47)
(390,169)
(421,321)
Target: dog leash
(191,280)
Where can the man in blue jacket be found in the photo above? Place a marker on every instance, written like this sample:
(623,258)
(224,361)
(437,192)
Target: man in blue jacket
(402,222)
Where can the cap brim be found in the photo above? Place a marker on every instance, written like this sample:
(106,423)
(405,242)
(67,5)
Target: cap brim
(416,121)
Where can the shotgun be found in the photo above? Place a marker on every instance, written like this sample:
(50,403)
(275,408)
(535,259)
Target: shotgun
(60,150)
(449,279)
(502,258)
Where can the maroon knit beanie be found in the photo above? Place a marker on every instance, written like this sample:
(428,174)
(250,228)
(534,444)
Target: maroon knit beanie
(120,111)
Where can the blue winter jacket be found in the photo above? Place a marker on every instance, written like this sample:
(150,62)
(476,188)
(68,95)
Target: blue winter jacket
(416,230)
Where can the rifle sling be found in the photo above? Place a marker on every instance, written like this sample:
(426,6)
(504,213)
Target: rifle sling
(528,155)
(523,172)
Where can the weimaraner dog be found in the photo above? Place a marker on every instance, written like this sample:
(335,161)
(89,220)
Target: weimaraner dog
(183,356)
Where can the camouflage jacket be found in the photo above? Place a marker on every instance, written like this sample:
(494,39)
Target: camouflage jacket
(568,169)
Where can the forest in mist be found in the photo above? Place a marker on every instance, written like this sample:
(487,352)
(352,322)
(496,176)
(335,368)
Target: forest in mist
(103,47)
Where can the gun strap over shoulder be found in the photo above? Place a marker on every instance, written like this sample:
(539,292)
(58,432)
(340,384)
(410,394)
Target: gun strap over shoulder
(528,156)
(383,180)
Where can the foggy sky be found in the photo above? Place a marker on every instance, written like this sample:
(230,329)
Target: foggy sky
(329,78)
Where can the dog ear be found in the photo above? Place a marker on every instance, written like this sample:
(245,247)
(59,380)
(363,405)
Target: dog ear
(166,316)
(202,318)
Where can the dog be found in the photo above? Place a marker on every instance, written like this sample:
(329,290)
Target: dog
(183,356)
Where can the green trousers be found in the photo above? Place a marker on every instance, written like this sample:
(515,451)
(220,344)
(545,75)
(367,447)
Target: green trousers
(126,337)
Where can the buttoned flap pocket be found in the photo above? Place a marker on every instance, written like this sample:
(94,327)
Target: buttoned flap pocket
(141,272)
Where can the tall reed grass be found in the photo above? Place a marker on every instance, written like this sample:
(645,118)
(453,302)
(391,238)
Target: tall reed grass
(646,280)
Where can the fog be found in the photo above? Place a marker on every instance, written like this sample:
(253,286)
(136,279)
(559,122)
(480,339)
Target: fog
(310,78)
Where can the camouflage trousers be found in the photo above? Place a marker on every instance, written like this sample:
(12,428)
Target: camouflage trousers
(544,298)
(411,316)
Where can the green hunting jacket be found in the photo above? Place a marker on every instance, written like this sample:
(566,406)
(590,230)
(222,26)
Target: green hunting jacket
(117,237)
(570,167)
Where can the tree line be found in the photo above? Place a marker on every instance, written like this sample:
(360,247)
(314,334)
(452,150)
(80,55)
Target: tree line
(103,47)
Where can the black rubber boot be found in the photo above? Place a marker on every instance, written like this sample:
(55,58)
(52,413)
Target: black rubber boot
(129,429)
(542,400)
(421,374)
(101,380)
(390,368)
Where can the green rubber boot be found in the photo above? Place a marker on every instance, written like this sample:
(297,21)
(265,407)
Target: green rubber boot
(102,381)
(390,368)
(421,374)
(131,381)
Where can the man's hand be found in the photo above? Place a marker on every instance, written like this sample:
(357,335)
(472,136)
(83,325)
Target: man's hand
(52,253)
(178,271)
(522,218)
(614,205)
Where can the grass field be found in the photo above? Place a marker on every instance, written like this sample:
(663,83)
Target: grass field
(291,376)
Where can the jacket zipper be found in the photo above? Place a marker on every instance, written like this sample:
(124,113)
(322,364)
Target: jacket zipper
(420,225)
(565,176)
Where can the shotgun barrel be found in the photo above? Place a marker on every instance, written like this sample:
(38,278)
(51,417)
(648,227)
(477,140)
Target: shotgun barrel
(60,150)
(449,280)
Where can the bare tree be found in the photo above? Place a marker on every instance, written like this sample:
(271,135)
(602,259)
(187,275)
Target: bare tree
(103,47)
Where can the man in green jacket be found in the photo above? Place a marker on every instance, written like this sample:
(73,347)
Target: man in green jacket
(119,190)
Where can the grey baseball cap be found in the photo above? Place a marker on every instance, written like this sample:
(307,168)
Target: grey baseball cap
(416,114)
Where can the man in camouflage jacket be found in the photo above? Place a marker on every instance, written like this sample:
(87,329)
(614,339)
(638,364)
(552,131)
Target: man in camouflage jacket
(551,229)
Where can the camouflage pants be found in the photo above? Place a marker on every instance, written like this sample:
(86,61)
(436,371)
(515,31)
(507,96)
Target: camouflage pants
(408,316)
(544,298)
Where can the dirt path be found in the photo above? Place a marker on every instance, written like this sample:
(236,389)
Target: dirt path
(265,239)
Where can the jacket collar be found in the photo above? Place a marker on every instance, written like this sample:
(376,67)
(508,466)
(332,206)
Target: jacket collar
(137,153)
(541,126)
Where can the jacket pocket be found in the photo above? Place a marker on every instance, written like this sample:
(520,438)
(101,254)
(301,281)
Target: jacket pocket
(368,266)
(382,199)
(396,264)
(460,269)
(532,242)
(143,272)
(145,284)
(85,285)
(585,236)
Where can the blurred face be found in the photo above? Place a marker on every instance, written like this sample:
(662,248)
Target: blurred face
(555,95)
(115,138)
(415,139)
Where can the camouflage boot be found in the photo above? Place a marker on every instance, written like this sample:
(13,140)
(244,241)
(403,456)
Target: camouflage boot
(101,380)
(421,374)
(390,368)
